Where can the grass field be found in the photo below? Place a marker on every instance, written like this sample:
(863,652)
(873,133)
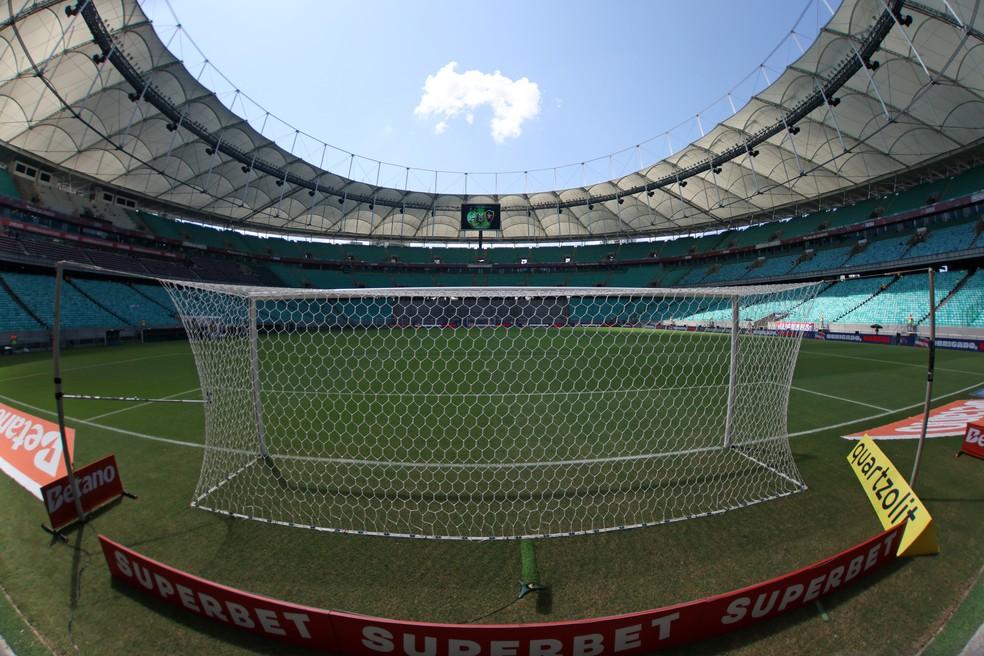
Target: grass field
(66,594)
(494,432)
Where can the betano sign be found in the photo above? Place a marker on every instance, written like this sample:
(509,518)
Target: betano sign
(973,442)
(636,633)
(99,483)
(30,449)
(893,499)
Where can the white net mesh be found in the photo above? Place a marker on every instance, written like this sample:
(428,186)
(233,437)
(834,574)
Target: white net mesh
(482,413)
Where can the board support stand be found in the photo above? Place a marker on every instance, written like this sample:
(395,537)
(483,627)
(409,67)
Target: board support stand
(59,395)
(930,368)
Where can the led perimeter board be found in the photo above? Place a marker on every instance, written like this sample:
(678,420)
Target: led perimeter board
(484,216)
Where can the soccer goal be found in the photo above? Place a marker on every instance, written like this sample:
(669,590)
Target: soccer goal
(487,413)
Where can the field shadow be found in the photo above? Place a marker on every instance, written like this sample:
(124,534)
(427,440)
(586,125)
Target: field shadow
(240,639)
(768,629)
(166,535)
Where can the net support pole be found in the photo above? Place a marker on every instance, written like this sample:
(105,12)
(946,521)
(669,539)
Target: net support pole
(929,377)
(59,400)
(254,376)
(729,420)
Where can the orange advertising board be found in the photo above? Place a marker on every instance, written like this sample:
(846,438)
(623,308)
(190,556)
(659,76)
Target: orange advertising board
(31,450)
(946,420)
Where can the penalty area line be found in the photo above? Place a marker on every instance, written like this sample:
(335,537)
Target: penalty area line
(850,422)
(196,445)
(122,431)
(841,398)
(97,365)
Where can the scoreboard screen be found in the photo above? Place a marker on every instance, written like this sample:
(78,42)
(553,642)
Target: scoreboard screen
(484,216)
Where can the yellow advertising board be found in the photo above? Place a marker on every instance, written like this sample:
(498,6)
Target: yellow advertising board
(893,499)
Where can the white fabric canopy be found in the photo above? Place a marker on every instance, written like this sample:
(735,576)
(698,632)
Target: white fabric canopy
(141,122)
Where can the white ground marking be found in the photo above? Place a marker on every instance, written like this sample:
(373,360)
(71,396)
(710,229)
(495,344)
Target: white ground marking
(883,414)
(901,364)
(143,436)
(140,405)
(196,445)
(841,398)
(94,366)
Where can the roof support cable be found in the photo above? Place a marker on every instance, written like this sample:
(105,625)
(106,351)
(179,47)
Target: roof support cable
(321,167)
(867,67)
(790,131)
(213,153)
(73,14)
(283,183)
(833,117)
(133,114)
(956,17)
(897,17)
(751,164)
(244,202)
(88,94)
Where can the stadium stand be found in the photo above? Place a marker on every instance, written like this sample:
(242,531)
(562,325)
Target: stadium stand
(78,311)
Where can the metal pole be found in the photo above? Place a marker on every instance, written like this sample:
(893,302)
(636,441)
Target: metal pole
(254,370)
(729,421)
(929,376)
(59,401)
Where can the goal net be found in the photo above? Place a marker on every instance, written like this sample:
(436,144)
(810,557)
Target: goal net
(479,413)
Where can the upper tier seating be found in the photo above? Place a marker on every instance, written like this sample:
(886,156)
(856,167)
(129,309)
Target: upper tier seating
(128,302)
(38,291)
(13,318)
(906,297)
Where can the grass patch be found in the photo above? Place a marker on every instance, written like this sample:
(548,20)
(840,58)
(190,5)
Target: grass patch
(443,581)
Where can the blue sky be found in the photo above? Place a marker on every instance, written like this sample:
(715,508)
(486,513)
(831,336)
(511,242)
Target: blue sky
(599,76)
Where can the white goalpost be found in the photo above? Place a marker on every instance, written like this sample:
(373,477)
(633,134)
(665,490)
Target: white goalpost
(488,413)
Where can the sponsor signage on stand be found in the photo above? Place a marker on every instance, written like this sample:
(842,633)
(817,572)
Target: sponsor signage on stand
(944,421)
(99,483)
(893,500)
(634,633)
(30,449)
(973,442)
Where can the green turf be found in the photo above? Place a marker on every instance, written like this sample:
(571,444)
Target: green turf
(493,432)
(18,636)
(453,581)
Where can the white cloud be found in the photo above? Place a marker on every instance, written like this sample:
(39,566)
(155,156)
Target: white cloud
(448,94)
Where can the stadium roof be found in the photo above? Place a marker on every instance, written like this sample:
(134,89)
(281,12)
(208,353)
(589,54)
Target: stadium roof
(91,88)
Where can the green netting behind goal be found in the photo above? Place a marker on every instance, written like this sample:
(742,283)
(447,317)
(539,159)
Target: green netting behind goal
(491,413)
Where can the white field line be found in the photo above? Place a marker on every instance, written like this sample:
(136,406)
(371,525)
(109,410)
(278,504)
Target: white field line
(841,398)
(901,364)
(140,405)
(195,445)
(94,366)
(143,436)
(918,404)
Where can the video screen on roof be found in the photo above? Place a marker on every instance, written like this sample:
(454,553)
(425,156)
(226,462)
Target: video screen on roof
(484,216)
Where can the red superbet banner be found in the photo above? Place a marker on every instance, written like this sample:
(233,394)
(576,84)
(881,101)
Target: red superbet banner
(99,483)
(635,633)
(973,442)
(280,620)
